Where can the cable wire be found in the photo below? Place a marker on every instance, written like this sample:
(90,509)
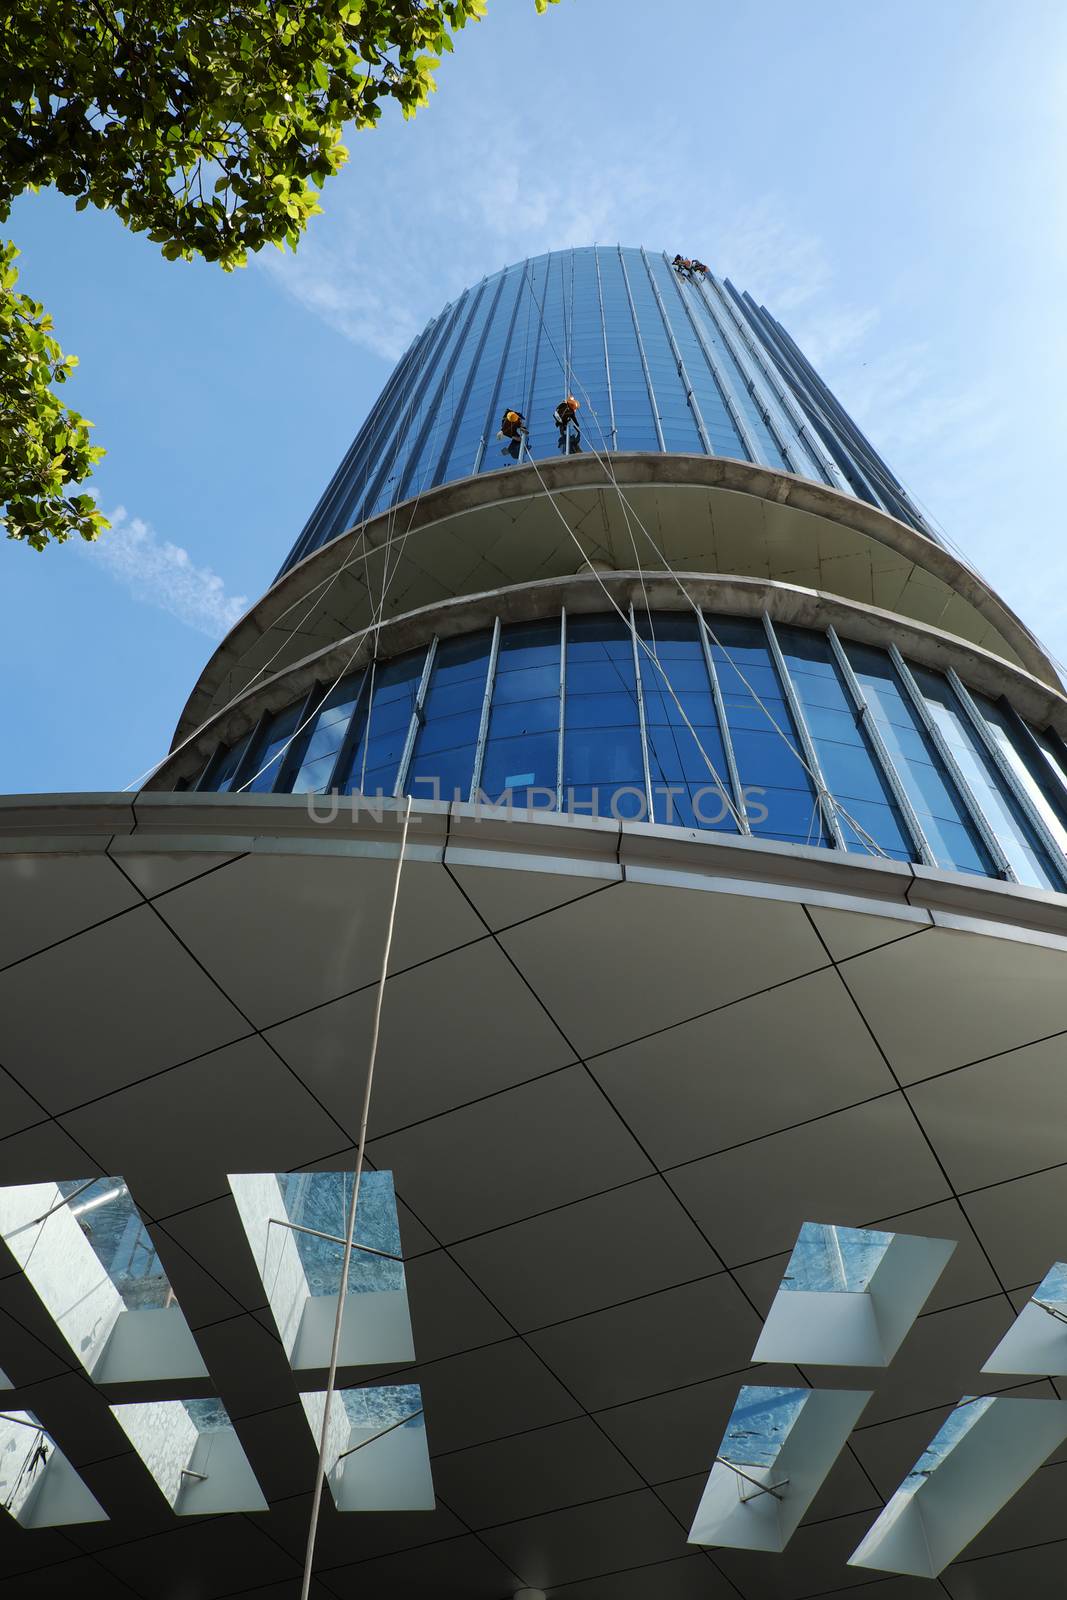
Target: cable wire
(335,1343)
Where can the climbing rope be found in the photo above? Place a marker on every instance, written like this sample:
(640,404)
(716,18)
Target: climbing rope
(350,1226)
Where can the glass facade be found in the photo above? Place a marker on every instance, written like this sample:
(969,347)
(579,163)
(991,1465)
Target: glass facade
(721,723)
(658,360)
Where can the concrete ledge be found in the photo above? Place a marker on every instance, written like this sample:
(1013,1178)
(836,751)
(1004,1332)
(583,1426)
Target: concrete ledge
(486,509)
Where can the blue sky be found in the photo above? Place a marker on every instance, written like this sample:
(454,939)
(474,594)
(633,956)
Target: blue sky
(887,177)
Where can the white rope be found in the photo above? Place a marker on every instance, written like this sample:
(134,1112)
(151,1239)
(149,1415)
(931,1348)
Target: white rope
(350,1230)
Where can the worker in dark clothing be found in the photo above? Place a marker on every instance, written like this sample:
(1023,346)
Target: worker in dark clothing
(683,265)
(699,268)
(565,417)
(513,428)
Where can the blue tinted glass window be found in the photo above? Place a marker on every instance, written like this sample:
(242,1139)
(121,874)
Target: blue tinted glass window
(690,778)
(522,745)
(1032,771)
(385,717)
(951,834)
(849,766)
(1026,855)
(442,764)
(602,741)
(780,797)
(270,751)
(325,735)
(223,768)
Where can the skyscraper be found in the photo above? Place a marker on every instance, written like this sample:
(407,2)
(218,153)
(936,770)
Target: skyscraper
(731,920)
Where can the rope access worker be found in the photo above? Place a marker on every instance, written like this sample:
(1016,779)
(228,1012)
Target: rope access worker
(682,264)
(700,267)
(513,427)
(565,417)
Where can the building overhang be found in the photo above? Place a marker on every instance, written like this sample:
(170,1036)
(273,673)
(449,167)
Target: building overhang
(704,514)
(621,1066)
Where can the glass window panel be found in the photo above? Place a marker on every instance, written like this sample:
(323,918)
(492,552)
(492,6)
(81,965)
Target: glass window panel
(225,766)
(520,763)
(1023,760)
(270,750)
(386,717)
(951,834)
(1028,859)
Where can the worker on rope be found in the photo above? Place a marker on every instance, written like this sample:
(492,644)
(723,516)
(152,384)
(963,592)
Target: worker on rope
(565,417)
(683,265)
(513,427)
(698,268)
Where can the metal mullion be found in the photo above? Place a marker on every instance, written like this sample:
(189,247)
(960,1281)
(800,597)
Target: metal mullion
(804,428)
(641,719)
(1045,774)
(724,728)
(246,767)
(433,408)
(1007,774)
(773,419)
(494,398)
(214,762)
(683,373)
(458,410)
(562,704)
(487,699)
(641,352)
(607,358)
(417,719)
(869,724)
(740,422)
(289,764)
(351,735)
(944,750)
(800,726)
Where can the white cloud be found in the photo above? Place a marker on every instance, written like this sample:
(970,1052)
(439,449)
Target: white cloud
(162,574)
(761,251)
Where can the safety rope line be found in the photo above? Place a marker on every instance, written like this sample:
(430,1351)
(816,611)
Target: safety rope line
(350,1230)
(822,792)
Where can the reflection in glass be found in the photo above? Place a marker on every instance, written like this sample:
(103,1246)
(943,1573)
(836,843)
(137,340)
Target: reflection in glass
(842,1260)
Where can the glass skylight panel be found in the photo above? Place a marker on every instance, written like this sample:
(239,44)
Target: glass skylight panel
(1036,1342)
(377,1445)
(320,1201)
(778,1447)
(194,1455)
(759,1425)
(849,1295)
(38,1485)
(85,1250)
(296,1225)
(982,1454)
(110,1221)
(826,1257)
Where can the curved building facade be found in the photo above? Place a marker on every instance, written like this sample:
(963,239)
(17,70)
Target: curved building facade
(708,817)
(660,361)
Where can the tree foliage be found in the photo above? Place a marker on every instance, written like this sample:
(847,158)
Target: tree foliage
(212,127)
